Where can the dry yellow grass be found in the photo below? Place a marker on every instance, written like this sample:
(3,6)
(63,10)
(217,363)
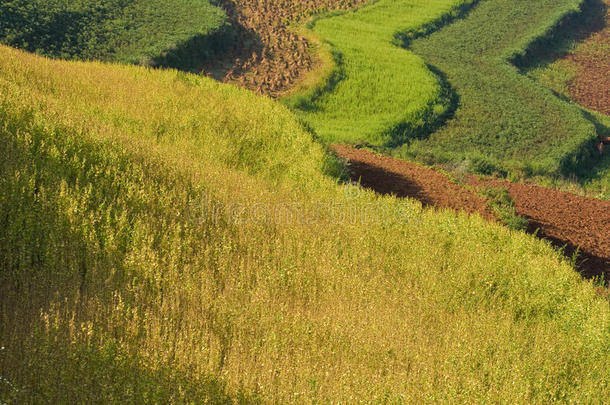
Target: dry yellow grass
(164,238)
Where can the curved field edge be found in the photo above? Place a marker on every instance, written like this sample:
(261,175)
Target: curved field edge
(373,68)
(177,33)
(268,57)
(506,123)
(193,249)
(329,70)
(324,66)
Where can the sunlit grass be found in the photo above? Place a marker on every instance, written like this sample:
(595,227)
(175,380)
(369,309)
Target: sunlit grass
(164,238)
(379,93)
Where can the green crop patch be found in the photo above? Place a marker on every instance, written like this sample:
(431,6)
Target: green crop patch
(563,67)
(505,121)
(456,93)
(174,33)
(379,93)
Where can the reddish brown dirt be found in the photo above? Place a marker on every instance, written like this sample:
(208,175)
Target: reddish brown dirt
(567,220)
(268,57)
(387,175)
(591,87)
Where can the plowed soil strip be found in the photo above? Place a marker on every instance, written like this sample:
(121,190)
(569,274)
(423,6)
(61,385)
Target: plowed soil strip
(387,175)
(567,220)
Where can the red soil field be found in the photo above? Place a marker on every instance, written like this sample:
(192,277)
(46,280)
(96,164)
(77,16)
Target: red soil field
(567,220)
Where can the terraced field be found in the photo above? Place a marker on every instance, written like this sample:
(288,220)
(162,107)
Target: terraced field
(504,121)
(578,225)
(360,100)
(577,67)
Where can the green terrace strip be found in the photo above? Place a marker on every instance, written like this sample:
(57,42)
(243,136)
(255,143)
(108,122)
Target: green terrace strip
(596,180)
(168,239)
(505,122)
(379,93)
(556,72)
(173,33)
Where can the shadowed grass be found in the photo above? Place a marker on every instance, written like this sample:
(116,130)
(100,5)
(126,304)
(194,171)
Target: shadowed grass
(176,33)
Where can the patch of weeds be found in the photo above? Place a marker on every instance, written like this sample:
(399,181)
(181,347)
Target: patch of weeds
(503,207)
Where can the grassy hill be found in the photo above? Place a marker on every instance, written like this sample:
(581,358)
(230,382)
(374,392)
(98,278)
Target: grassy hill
(175,33)
(166,238)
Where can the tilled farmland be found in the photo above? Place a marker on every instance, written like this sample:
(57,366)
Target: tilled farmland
(268,57)
(591,87)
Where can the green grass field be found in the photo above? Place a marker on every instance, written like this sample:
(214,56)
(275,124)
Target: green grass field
(175,33)
(505,121)
(195,249)
(378,93)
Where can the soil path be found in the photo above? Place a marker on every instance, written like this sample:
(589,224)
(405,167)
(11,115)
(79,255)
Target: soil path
(567,220)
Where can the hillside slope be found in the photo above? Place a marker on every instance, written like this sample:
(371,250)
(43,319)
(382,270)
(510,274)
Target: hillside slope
(175,33)
(165,238)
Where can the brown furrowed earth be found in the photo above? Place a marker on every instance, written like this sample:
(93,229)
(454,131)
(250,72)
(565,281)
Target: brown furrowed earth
(568,221)
(268,57)
(387,175)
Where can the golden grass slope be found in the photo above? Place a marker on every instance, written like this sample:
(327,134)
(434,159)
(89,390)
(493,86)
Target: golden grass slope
(164,238)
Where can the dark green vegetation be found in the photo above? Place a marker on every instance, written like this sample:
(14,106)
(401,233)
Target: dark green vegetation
(173,33)
(583,41)
(503,206)
(505,121)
